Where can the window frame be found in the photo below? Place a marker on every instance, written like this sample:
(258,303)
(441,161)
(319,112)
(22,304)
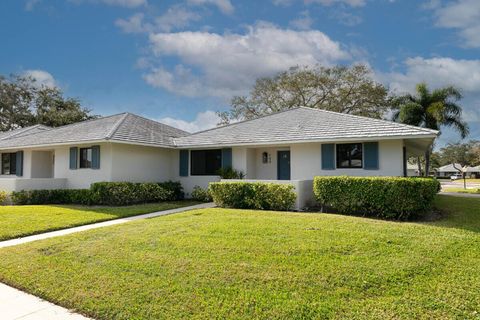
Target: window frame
(337,162)
(12,160)
(204,171)
(80,162)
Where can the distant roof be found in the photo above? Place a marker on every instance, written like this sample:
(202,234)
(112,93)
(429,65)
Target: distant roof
(301,124)
(450,168)
(123,127)
(23,131)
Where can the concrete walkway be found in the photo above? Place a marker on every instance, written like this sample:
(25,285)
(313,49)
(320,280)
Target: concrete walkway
(16,304)
(14,242)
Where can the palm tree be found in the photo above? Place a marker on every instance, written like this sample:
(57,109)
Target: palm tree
(431,109)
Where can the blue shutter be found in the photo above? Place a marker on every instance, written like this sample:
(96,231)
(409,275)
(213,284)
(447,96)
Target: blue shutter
(328,156)
(95,157)
(19,163)
(73,158)
(183,163)
(370,155)
(227,158)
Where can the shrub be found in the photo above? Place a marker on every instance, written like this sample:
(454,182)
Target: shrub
(383,197)
(200,194)
(230,173)
(3,196)
(253,195)
(126,193)
(55,196)
(176,189)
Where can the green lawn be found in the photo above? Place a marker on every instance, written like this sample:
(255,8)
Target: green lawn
(461,190)
(218,263)
(18,221)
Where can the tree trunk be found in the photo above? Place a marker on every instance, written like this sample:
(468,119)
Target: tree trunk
(419,163)
(427,162)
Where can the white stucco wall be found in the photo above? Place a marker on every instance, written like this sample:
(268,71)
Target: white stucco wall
(82,178)
(306,161)
(140,163)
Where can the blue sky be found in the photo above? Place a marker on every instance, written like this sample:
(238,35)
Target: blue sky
(180,61)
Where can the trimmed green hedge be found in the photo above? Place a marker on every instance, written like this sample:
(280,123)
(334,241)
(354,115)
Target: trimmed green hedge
(202,195)
(253,195)
(383,197)
(103,193)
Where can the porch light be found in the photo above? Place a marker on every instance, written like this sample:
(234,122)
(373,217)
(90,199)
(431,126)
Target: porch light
(265,157)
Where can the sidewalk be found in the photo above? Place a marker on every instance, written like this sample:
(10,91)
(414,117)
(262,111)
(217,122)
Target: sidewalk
(16,304)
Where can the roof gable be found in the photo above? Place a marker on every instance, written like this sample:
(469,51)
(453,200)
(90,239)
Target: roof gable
(299,125)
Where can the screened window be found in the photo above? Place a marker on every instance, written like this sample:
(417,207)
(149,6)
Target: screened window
(9,163)
(205,162)
(349,155)
(85,157)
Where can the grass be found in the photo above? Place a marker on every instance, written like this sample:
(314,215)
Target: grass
(461,190)
(19,221)
(460,181)
(220,263)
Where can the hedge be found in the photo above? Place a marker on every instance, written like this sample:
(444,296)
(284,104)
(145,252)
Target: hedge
(200,194)
(253,195)
(103,193)
(382,197)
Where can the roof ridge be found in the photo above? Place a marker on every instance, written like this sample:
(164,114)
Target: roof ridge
(116,126)
(247,120)
(369,118)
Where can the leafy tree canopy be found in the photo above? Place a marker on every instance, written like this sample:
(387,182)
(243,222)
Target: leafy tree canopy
(23,102)
(342,89)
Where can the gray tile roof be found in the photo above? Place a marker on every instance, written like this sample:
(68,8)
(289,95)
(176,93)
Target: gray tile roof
(301,124)
(451,168)
(23,131)
(124,127)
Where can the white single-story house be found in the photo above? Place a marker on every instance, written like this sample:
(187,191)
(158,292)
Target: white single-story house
(290,146)
(449,170)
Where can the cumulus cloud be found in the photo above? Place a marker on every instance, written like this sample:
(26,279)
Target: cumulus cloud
(42,78)
(120,3)
(304,22)
(352,3)
(222,65)
(436,72)
(462,15)
(30,4)
(223,5)
(134,24)
(204,120)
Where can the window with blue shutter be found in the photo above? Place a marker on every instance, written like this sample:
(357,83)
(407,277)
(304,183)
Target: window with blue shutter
(95,157)
(227,158)
(19,163)
(370,150)
(328,156)
(183,163)
(73,158)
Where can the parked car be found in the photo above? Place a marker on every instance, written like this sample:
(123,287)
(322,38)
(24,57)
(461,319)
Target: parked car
(456,176)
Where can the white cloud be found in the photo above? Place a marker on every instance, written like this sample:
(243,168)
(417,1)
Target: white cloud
(30,4)
(304,22)
(352,3)
(204,120)
(175,17)
(437,72)
(223,65)
(43,78)
(120,3)
(462,15)
(346,18)
(134,24)
(223,5)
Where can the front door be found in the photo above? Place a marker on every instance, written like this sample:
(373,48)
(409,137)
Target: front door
(283,165)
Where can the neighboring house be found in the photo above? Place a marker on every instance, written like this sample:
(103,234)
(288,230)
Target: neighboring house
(292,146)
(449,170)
(412,170)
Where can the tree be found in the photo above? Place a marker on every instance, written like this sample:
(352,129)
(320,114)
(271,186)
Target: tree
(460,155)
(431,109)
(23,102)
(342,89)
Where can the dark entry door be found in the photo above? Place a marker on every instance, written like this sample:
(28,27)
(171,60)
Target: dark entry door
(283,165)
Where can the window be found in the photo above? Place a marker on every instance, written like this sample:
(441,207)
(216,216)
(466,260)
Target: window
(206,162)
(9,163)
(349,155)
(85,157)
